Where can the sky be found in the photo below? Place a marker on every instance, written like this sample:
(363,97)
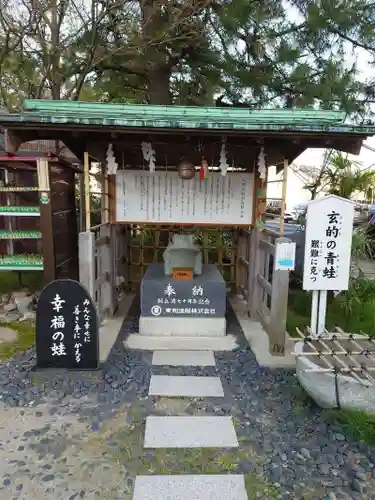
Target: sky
(366,158)
(314,157)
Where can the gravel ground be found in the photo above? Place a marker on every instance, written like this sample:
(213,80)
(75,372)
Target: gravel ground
(71,436)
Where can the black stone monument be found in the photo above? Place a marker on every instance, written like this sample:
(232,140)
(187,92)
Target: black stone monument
(67,329)
(204,296)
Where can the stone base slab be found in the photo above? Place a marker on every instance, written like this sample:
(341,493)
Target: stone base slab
(182,327)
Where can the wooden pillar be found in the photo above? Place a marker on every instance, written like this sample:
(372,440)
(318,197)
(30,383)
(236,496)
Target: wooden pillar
(250,270)
(81,203)
(73,229)
(279,307)
(112,198)
(106,270)
(283,196)
(86,173)
(105,199)
(113,250)
(46,220)
(255,291)
(255,264)
(86,252)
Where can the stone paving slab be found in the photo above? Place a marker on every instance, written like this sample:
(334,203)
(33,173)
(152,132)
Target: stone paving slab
(7,334)
(190,432)
(185,386)
(190,487)
(183,358)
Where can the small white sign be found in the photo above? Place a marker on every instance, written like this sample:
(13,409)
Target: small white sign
(329,230)
(285,256)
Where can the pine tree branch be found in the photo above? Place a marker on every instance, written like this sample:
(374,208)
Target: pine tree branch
(346,37)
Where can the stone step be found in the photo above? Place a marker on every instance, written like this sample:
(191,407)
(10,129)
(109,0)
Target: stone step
(183,358)
(185,386)
(154,343)
(182,326)
(190,487)
(190,432)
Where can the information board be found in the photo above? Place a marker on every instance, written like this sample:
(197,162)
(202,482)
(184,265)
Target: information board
(329,232)
(66,327)
(146,197)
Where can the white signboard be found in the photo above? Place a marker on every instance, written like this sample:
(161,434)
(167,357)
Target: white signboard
(285,256)
(142,196)
(329,230)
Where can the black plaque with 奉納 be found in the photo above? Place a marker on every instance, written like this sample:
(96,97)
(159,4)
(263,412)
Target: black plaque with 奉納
(66,327)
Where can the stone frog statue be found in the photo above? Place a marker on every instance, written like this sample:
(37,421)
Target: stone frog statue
(182,252)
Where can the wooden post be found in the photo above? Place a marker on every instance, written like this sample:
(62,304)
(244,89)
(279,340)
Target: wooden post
(86,171)
(111,180)
(106,270)
(82,202)
(239,255)
(250,270)
(46,220)
(113,249)
(105,193)
(283,196)
(73,229)
(255,291)
(279,307)
(125,256)
(86,250)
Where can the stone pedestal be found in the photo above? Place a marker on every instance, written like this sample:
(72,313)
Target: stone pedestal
(183,308)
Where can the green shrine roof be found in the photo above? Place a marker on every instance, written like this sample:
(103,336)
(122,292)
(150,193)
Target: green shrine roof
(182,117)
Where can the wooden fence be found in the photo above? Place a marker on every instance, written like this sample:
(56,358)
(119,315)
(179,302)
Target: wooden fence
(147,243)
(102,247)
(265,289)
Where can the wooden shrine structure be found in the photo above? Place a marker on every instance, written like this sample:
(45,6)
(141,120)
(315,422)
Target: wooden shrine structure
(38,227)
(145,151)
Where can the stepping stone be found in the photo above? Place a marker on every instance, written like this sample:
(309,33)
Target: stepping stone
(183,358)
(190,432)
(185,386)
(190,487)
(7,334)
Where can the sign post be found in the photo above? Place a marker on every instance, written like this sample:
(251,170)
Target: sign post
(328,243)
(66,327)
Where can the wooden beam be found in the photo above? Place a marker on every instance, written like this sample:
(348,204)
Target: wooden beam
(46,221)
(264,284)
(76,137)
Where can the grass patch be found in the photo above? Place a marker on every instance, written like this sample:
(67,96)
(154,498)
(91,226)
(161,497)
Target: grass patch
(11,281)
(301,400)
(257,487)
(122,440)
(353,311)
(358,425)
(25,339)
(128,449)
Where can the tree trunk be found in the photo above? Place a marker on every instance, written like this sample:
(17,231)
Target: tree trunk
(158,68)
(158,85)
